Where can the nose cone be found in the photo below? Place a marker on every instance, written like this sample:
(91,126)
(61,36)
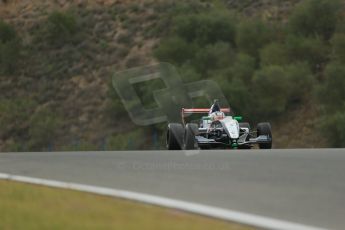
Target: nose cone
(232,127)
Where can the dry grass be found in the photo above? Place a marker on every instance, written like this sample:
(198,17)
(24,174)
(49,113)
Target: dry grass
(297,129)
(28,207)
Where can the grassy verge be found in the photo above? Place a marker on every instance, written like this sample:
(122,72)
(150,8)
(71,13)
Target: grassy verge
(28,207)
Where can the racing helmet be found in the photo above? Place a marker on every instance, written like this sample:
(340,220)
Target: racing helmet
(216,116)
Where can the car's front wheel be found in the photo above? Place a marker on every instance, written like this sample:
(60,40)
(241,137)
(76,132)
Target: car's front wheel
(265,129)
(174,137)
(191,131)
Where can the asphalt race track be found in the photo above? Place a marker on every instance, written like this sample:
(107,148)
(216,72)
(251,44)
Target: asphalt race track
(302,186)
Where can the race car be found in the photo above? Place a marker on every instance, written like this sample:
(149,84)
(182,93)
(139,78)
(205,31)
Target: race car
(216,130)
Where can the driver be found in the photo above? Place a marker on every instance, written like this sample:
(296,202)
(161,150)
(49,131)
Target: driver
(215,107)
(215,112)
(216,116)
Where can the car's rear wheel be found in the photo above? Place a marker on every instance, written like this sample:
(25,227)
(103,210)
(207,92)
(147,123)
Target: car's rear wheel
(265,129)
(174,138)
(191,131)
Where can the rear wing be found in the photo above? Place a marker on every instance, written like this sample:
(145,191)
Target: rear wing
(184,111)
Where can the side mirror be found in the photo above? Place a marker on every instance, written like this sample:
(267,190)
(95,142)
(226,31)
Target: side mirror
(238,118)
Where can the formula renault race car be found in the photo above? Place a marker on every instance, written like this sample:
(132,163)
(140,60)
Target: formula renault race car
(216,131)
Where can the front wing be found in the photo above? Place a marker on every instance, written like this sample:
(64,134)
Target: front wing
(211,143)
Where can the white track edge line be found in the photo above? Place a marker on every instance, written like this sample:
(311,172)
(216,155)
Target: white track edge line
(219,213)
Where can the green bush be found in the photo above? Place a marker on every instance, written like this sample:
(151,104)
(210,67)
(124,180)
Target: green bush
(271,89)
(43,130)
(243,68)
(315,17)
(14,116)
(9,56)
(296,81)
(236,83)
(240,97)
(340,27)
(61,27)
(311,50)
(9,49)
(175,50)
(168,12)
(274,54)
(331,93)
(213,56)
(182,7)
(338,48)
(252,35)
(7,33)
(331,96)
(301,80)
(188,73)
(332,127)
(206,28)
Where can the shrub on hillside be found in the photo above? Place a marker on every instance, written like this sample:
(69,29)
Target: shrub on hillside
(332,127)
(331,93)
(274,88)
(9,49)
(206,28)
(7,33)
(331,96)
(213,56)
(61,27)
(315,17)
(9,55)
(168,12)
(340,27)
(14,116)
(188,73)
(274,54)
(271,88)
(311,50)
(44,126)
(237,82)
(240,97)
(301,80)
(243,68)
(338,48)
(175,50)
(252,35)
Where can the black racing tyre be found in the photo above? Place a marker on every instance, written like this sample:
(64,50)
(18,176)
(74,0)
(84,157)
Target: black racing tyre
(264,128)
(191,131)
(174,138)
